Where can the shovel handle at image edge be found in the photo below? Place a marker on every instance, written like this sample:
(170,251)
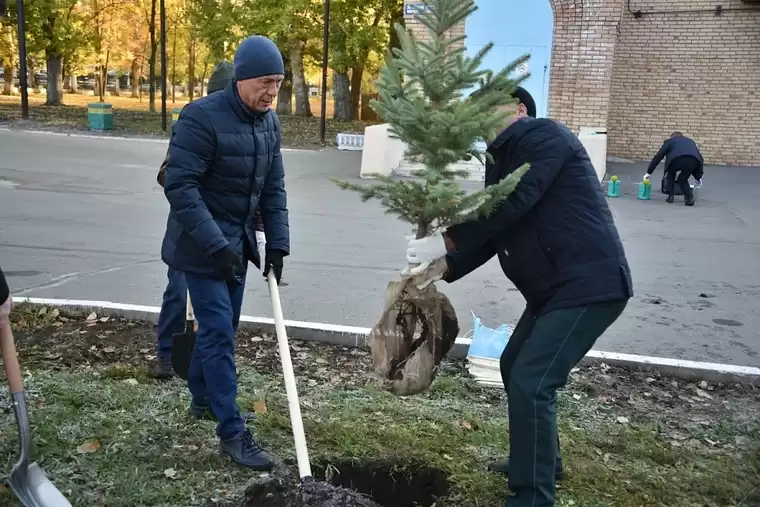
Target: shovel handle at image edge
(10,359)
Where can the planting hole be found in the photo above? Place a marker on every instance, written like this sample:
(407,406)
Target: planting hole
(390,484)
(353,483)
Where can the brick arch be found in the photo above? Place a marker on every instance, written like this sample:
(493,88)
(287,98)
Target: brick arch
(583,51)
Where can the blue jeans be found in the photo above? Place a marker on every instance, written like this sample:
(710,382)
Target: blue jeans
(171,320)
(212,378)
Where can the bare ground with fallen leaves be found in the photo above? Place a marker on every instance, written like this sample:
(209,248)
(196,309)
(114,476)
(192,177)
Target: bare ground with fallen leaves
(628,438)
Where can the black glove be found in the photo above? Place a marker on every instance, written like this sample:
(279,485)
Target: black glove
(274,260)
(228,264)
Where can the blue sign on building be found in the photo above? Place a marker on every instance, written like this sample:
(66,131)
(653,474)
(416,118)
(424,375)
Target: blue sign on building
(410,9)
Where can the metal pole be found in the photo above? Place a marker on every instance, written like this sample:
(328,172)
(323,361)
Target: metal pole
(162,15)
(22,78)
(325,49)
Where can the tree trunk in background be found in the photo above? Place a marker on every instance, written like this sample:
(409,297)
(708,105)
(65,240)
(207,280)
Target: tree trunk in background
(342,96)
(191,69)
(8,77)
(285,97)
(357,73)
(303,108)
(116,86)
(397,16)
(152,60)
(31,73)
(73,85)
(54,83)
(134,77)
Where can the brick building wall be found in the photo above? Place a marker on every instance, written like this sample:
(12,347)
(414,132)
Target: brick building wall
(583,53)
(420,31)
(690,71)
(643,77)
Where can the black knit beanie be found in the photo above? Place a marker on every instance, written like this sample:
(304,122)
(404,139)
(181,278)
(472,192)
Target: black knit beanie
(257,56)
(220,76)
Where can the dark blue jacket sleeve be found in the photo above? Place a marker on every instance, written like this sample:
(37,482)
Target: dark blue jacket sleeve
(274,203)
(659,156)
(462,263)
(191,151)
(546,150)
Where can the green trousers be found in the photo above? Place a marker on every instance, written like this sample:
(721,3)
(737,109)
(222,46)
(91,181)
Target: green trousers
(536,362)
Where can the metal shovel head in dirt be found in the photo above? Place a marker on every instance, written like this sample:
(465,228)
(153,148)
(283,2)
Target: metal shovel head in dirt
(33,488)
(183,344)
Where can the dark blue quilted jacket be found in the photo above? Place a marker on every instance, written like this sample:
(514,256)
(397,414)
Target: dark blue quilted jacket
(224,162)
(554,235)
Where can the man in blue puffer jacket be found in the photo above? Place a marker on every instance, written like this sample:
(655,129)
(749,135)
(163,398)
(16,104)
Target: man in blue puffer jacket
(224,162)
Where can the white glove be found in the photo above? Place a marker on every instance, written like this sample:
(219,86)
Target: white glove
(425,250)
(5,311)
(425,274)
(261,243)
(646,176)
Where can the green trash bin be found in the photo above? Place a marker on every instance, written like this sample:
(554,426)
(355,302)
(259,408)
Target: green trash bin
(100,116)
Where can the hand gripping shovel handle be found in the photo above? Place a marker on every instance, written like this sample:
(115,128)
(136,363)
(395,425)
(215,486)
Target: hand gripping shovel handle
(302,453)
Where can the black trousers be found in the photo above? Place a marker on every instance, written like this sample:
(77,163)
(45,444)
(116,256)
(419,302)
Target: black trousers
(679,171)
(536,362)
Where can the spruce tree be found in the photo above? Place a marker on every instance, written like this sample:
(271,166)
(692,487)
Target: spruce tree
(422,91)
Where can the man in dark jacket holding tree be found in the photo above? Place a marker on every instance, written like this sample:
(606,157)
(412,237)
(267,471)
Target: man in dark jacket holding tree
(225,162)
(556,241)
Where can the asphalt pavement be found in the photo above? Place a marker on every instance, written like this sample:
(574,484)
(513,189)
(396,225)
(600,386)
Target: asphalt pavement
(83,218)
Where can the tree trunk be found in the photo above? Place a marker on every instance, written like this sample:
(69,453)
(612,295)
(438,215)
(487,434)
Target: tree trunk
(8,77)
(31,73)
(54,84)
(191,69)
(341,96)
(70,83)
(357,73)
(397,16)
(303,108)
(134,77)
(152,60)
(174,65)
(116,86)
(285,97)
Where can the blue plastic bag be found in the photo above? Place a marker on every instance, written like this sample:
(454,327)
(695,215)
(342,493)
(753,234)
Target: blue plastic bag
(487,342)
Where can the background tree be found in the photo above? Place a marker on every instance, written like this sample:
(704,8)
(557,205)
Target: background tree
(422,96)
(356,29)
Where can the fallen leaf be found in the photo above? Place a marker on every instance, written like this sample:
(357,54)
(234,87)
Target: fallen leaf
(260,407)
(703,384)
(109,350)
(622,420)
(144,351)
(321,361)
(89,447)
(170,473)
(704,394)
(91,317)
(131,381)
(576,396)
(104,319)
(466,425)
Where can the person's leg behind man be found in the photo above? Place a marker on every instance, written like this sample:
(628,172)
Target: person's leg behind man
(171,320)
(557,343)
(212,376)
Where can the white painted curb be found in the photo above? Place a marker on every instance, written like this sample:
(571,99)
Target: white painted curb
(352,336)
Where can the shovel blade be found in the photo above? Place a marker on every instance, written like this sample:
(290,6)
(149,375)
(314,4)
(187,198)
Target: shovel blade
(33,488)
(182,350)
